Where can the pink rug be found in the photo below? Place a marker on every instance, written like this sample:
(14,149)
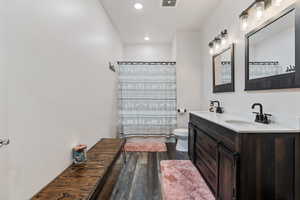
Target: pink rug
(182,181)
(145,147)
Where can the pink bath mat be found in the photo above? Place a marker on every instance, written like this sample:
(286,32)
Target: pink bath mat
(145,147)
(182,181)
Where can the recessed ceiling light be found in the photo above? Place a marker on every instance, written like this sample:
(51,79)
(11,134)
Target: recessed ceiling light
(138,6)
(146,38)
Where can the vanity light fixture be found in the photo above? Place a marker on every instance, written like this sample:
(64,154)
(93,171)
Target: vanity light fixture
(259,9)
(219,42)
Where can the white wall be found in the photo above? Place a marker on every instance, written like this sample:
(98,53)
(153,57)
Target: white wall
(189,73)
(60,90)
(4,153)
(148,52)
(283,104)
(174,48)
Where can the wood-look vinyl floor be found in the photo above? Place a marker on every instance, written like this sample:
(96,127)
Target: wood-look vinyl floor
(139,178)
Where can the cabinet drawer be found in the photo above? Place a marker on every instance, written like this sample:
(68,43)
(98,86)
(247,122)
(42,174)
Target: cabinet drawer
(207,143)
(207,174)
(207,159)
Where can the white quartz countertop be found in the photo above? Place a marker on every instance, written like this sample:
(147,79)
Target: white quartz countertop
(242,125)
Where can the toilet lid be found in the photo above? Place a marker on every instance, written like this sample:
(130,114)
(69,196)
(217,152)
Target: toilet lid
(181,132)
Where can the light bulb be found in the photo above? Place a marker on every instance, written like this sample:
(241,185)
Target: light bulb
(224,36)
(223,41)
(138,6)
(259,13)
(259,9)
(211,48)
(244,25)
(146,38)
(277,2)
(217,46)
(217,43)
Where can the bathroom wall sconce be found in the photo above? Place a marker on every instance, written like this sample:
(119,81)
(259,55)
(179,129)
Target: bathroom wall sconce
(218,43)
(259,7)
(244,20)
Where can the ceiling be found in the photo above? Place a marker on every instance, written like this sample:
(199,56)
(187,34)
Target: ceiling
(159,23)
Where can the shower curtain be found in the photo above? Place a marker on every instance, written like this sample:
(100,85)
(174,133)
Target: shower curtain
(147,98)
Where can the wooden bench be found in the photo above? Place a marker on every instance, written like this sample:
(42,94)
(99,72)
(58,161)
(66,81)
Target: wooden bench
(85,182)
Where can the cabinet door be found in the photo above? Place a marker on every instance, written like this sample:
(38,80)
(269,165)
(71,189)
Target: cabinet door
(227,174)
(192,136)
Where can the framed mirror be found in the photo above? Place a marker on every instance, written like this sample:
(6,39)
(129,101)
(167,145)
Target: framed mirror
(270,53)
(223,71)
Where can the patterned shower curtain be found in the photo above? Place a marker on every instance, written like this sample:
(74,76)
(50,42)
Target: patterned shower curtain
(147,98)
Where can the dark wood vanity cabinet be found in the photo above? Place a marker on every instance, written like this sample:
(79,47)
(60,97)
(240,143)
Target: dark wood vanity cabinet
(245,166)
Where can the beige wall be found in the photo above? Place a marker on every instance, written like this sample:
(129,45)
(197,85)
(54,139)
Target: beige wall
(60,91)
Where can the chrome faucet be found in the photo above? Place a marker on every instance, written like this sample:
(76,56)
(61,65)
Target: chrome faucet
(261,117)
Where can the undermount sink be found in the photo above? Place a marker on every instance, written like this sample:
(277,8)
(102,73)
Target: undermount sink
(239,122)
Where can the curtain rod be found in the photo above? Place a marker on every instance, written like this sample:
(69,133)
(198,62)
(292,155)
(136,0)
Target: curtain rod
(145,63)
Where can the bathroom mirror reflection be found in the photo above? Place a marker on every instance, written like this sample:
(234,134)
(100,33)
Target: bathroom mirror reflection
(223,71)
(270,53)
(272,49)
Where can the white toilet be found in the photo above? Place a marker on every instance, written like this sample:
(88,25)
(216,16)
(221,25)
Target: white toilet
(182,139)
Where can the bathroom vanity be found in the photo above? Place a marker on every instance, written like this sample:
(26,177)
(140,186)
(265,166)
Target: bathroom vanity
(243,160)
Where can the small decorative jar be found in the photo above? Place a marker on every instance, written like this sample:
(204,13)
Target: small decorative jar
(79,154)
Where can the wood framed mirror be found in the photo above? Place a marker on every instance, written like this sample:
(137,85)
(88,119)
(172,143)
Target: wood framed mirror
(223,71)
(271,50)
